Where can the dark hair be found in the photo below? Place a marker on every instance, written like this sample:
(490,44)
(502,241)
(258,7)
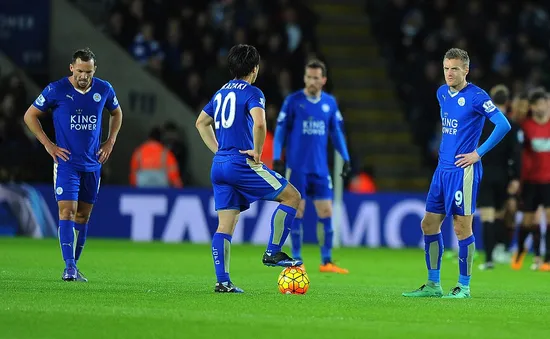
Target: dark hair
(460,54)
(536,96)
(317,64)
(242,60)
(500,94)
(84,54)
(155,133)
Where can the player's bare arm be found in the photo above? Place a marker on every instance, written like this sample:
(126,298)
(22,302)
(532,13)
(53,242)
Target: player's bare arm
(204,126)
(115,123)
(259,132)
(33,123)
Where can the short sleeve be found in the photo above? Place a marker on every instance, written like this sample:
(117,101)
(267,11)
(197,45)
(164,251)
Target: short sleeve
(257,99)
(483,104)
(209,109)
(46,99)
(112,102)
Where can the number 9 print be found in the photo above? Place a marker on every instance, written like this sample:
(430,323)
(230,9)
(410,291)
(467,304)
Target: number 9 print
(458,198)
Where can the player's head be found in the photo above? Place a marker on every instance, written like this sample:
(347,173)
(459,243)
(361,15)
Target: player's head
(244,62)
(315,77)
(83,67)
(520,107)
(456,65)
(538,102)
(155,134)
(501,96)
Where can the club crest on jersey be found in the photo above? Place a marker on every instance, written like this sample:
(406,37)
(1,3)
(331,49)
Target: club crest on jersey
(59,190)
(461,101)
(97,97)
(325,108)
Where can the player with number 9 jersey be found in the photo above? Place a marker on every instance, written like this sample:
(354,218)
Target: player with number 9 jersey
(453,190)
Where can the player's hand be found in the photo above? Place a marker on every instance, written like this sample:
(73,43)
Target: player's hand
(279,167)
(513,187)
(57,152)
(465,160)
(253,155)
(105,151)
(346,170)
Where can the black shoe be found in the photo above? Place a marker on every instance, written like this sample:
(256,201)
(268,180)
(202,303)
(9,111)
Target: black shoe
(227,287)
(280,259)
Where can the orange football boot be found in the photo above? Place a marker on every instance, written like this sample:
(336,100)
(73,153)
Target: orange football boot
(331,268)
(517,260)
(545,267)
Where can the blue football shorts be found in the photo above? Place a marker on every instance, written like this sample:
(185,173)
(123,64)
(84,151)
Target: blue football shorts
(318,187)
(454,192)
(238,181)
(73,185)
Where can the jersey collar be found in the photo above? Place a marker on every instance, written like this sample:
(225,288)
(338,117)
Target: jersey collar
(454,94)
(311,99)
(81,91)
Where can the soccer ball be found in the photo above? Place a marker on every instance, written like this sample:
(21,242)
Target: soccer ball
(293,280)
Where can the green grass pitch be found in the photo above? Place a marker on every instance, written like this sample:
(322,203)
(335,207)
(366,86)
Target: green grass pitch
(156,290)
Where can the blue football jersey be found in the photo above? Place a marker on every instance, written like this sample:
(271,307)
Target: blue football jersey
(230,108)
(77,119)
(307,123)
(463,115)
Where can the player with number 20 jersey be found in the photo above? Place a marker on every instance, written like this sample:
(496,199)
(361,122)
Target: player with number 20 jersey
(238,176)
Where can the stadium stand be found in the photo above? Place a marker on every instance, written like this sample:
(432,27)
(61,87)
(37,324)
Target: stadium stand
(16,165)
(504,47)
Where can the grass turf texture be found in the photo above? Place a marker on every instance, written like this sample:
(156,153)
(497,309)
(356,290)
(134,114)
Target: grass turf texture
(155,290)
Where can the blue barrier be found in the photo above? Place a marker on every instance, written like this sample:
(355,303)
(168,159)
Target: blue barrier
(171,215)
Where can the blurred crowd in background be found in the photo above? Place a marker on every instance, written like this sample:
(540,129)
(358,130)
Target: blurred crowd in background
(507,41)
(19,149)
(186,43)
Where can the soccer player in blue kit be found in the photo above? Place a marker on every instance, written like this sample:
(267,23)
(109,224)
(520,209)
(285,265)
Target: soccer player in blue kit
(237,113)
(305,122)
(77,104)
(456,179)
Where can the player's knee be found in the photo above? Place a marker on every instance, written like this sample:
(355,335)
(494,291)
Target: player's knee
(428,227)
(325,212)
(462,229)
(225,228)
(292,197)
(81,218)
(67,213)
